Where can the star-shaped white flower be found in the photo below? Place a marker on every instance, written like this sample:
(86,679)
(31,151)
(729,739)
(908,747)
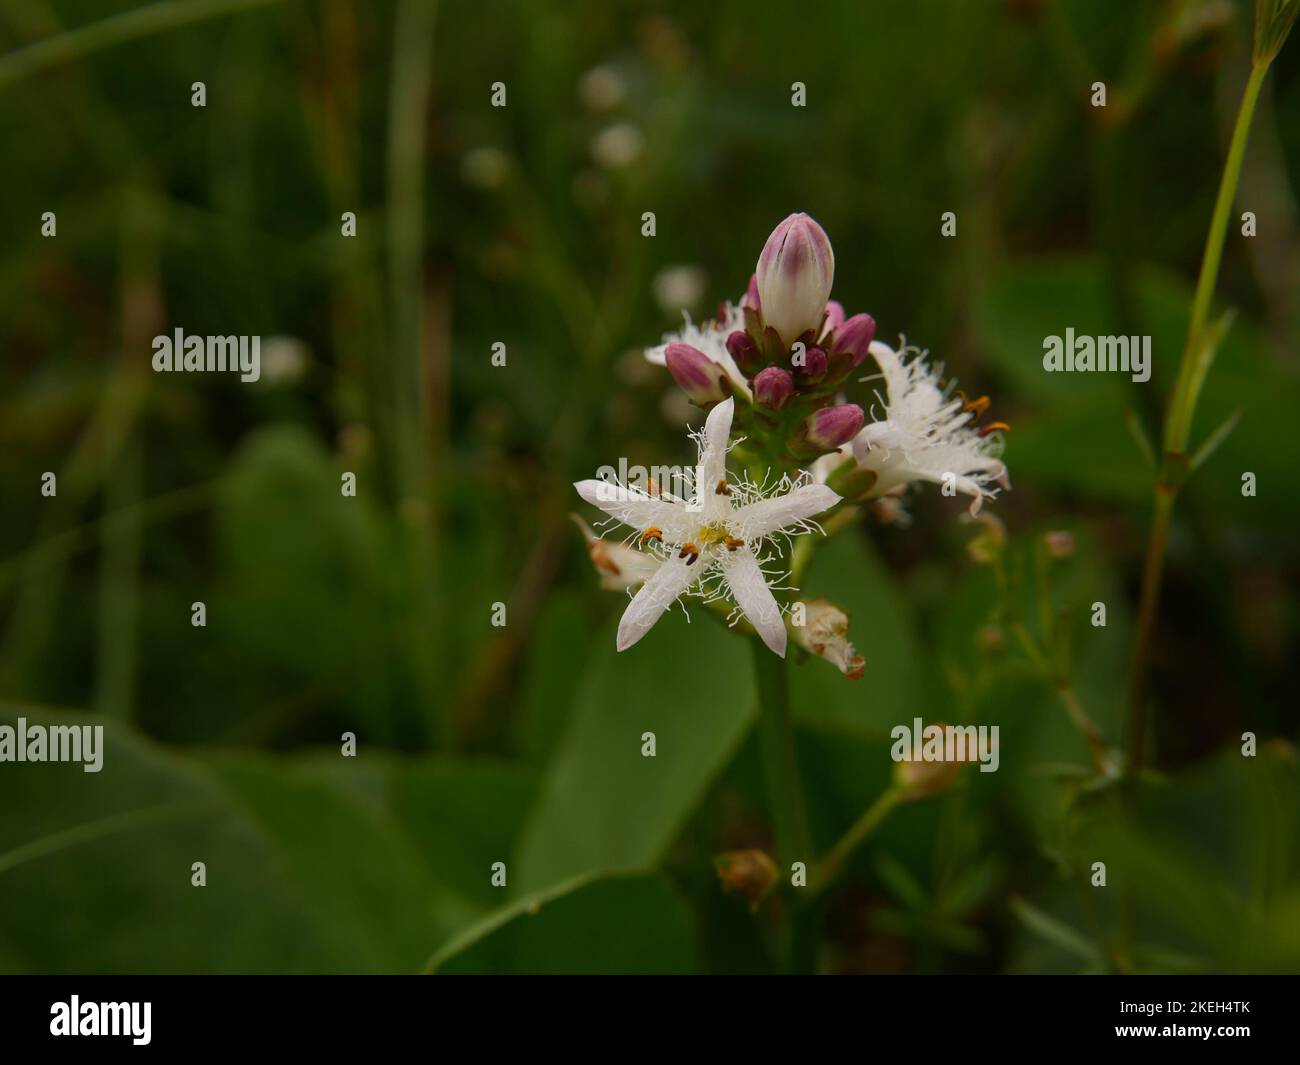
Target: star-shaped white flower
(927,434)
(710,337)
(712,544)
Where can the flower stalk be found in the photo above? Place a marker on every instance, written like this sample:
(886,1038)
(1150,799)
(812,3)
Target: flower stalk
(780,764)
(832,865)
(1198,353)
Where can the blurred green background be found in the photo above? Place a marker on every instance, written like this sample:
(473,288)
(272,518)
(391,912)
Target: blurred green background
(522,225)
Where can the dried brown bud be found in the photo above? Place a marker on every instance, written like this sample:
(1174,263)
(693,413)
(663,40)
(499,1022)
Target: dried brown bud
(749,872)
(824,633)
(1060,544)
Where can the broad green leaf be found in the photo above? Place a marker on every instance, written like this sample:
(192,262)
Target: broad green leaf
(1032,300)
(592,924)
(301,604)
(550,680)
(602,805)
(304,872)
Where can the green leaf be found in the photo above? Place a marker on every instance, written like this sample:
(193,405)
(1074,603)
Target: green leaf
(602,805)
(904,886)
(1211,443)
(589,925)
(550,682)
(1053,930)
(302,604)
(1030,300)
(1139,435)
(458,816)
(847,571)
(304,872)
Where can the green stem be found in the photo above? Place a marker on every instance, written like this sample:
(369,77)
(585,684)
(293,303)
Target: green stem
(1195,364)
(409,395)
(1196,356)
(776,736)
(830,866)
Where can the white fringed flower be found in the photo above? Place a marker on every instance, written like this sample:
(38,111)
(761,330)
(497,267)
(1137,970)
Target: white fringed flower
(710,337)
(713,545)
(927,434)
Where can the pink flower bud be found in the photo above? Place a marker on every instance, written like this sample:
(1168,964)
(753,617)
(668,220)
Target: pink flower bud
(814,366)
(750,301)
(794,277)
(832,427)
(855,337)
(773,387)
(744,350)
(834,317)
(698,375)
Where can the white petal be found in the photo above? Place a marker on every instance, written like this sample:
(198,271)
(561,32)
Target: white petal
(892,368)
(713,463)
(753,596)
(717,427)
(634,508)
(766,516)
(655,596)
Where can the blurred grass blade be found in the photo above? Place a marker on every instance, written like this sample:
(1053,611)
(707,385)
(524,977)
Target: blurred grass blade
(594,923)
(906,888)
(1053,930)
(110,31)
(1216,438)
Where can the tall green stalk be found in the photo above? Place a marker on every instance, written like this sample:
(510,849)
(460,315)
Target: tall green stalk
(1198,353)
(410,430)
(785,799)
(780,766)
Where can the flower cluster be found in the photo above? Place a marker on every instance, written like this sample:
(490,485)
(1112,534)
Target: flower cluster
(786,348)
(771,370)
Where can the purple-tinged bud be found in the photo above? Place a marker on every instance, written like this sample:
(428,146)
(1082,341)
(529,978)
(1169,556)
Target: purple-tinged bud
(750,301)
(833,427)
(812,367)
(697,375)
(744,349)
(794,277)
(854,337)
(773,388)
(834,318)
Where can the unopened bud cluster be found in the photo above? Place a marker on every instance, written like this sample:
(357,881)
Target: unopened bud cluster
(796,350)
